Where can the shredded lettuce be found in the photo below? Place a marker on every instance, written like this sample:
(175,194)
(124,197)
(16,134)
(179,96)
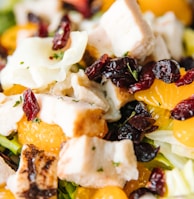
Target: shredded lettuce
(180,181)
(12,144)
(66,190)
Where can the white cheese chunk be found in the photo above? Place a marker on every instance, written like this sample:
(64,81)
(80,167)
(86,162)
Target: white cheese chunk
(31,64)
(5,171)
(127,30)
(94,162)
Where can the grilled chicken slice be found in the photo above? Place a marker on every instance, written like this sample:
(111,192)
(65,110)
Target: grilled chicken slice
(5,171)
(123,30)
(36,176)
(73,116)
(94,162)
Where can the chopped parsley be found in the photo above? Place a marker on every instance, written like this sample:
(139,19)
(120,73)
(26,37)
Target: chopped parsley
(116,164)
(37,120)
(100,169)
(57,56)
(93,148)
(18,102)
(133,72)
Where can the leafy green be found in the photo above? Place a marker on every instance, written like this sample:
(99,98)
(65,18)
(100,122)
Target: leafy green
(7,19)
(66,190)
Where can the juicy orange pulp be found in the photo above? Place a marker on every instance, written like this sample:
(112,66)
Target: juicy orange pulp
(184,131)
(164,95)
(5,193)
(10,36)
(144,174)
(162,117)
(45,136)
(109,192)
(15,89)
(181,8)
(167,96)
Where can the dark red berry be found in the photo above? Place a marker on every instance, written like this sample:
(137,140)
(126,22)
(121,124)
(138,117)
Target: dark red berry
(61,36)
(94,72)
(30,105)
(145,152)
(167,70)
(127,131)
(187,63)
(188,78)
(122,71)
(141,123)
(146,78)
(42,24)
(156,182)
(184,109)
(138,193)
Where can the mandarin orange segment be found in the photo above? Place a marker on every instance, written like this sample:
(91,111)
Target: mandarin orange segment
(184,131)
(144,174)
(106,4)
(162,117)
(85,193)
(109,192)
(15,89)
(10,36)
(5,193)
(165,95)
(181,8)
(45,136)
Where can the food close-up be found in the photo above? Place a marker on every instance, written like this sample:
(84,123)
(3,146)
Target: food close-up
(96,99)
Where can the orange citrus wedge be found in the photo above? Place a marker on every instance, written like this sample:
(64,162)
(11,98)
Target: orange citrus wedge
(184,131)
(164,95)
(181,8)
(48,137)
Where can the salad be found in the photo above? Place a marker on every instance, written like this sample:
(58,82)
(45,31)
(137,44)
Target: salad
(96,99)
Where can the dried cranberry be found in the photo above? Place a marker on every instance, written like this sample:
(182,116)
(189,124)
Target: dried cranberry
(122,71)
(136,107)
(42,24)
(167,70)
(94,72)
(141,109)
(145,152)
(3,57)
(184,109)
(187,63)
(61,36)
(188,78)
(157,182)
(146,78)
(126,131)
(141,123)
(30,106)
(138,193)
(134,123)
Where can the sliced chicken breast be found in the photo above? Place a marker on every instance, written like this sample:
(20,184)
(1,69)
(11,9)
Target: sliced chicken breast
(94,162)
